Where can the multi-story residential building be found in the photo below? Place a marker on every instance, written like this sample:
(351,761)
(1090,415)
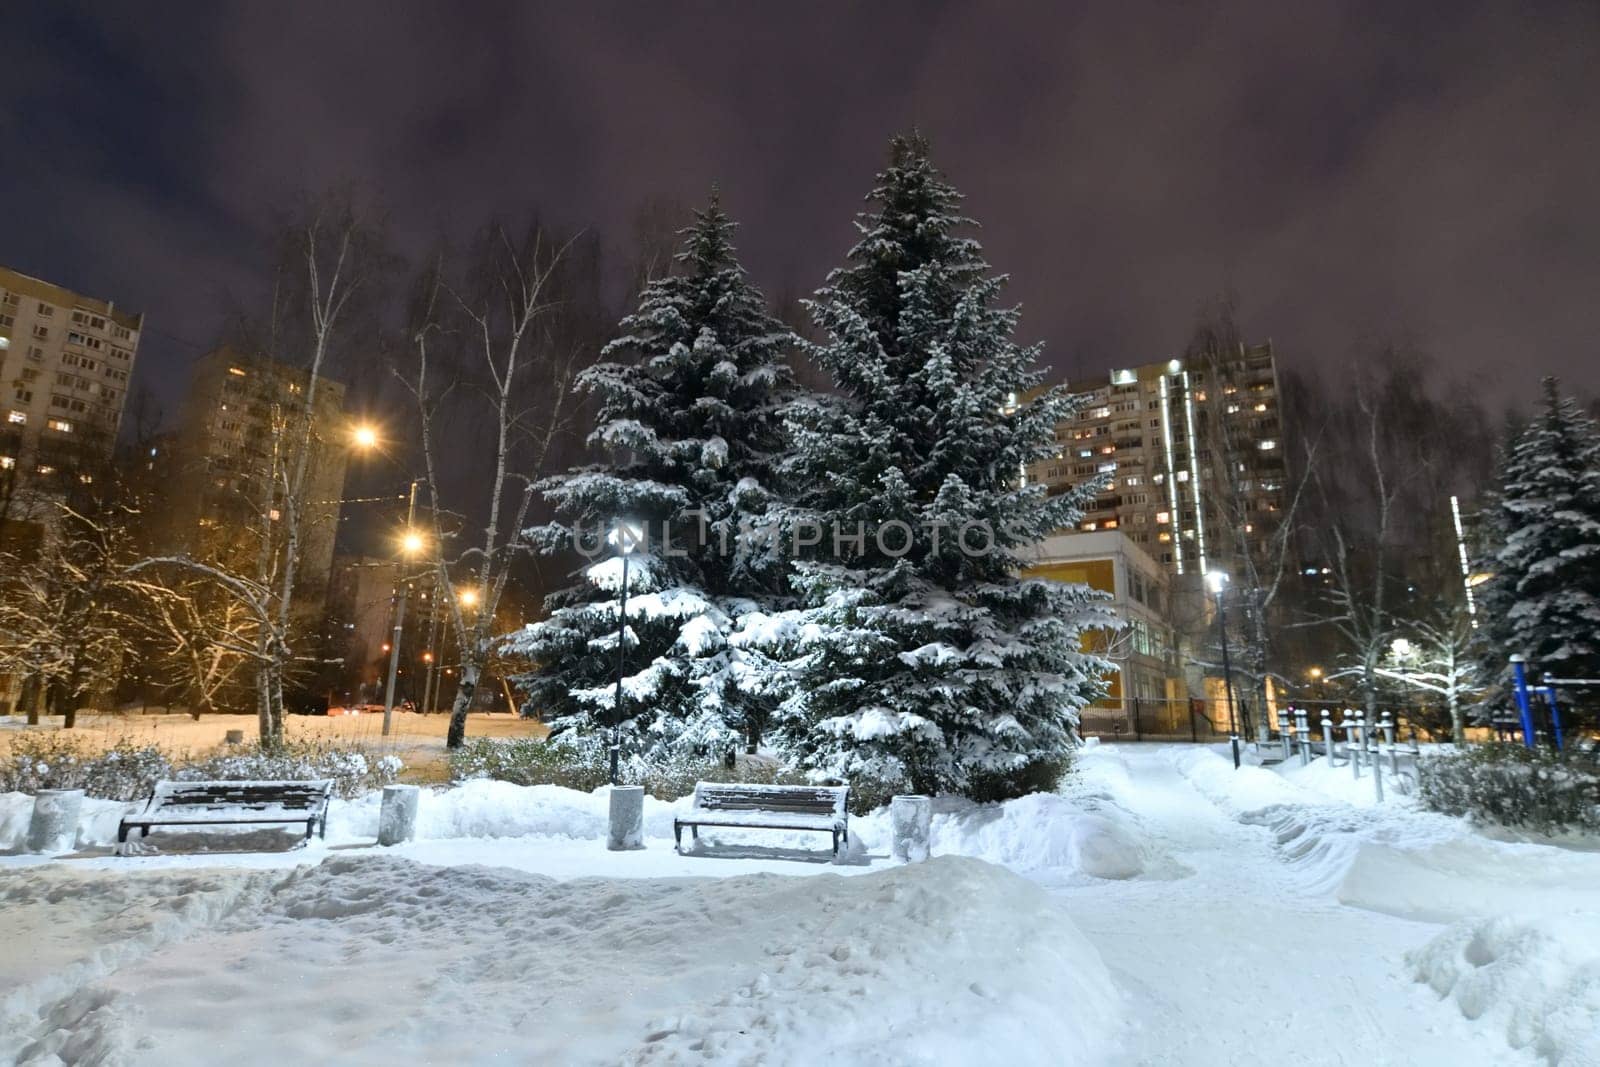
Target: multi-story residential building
(65,361)
(1147,678)
(1192,453)
(237,435)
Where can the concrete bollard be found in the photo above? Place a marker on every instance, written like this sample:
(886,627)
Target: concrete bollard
(911,821)
(397,818)
(626,830)
(1302,727)
(1327,736)
(54,828)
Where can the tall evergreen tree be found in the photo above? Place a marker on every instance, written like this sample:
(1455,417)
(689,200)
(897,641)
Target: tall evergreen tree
(1543,600)
(690,397)
(925,661)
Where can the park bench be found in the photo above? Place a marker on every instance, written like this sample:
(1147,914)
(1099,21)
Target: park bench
(767,807)
(233,804)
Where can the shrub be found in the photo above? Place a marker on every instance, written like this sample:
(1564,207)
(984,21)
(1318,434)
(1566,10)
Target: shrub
(55,761)
(1037,776)
(585,766)
(352,769)
(529,761)
(1511,785)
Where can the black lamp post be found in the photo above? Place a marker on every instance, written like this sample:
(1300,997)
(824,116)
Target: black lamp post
(1217,581)
(625,537)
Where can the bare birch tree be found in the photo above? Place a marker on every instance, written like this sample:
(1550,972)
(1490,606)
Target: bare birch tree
(332,260)
(488,348)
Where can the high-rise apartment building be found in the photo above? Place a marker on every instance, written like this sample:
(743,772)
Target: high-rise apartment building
(1192,452)
(238,433)
(65,361)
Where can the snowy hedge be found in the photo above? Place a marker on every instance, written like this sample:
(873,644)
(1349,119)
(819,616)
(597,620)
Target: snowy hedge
(1511,785)
(583,766)
(128,772)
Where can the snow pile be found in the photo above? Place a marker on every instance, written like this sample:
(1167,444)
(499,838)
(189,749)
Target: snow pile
(1335,782)
(1234,790)
(96,826)
(1465,875)
(375,959)
(1042,830)
(1536,982)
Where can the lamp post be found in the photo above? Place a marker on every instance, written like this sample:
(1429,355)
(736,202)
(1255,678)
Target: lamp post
(1217,581)
(624,537)
(411,543)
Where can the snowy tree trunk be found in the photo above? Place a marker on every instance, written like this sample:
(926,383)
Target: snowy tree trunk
(458,711)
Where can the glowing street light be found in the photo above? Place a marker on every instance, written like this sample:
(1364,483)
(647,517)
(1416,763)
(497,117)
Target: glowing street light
(1217,582)
(412,543)
(468,598)
(364,436)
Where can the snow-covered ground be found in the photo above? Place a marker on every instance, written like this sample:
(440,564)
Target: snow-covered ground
(1163,909)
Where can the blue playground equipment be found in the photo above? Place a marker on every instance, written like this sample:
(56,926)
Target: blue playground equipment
(1546,690)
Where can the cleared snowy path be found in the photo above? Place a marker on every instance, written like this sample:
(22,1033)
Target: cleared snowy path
(1228,958)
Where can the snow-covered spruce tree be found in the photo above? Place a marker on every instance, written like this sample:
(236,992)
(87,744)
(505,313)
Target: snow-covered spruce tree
(690,398)
(1543,600)
(924,660)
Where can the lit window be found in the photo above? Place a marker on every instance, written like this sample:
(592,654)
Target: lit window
(1267,446)
(17,417)
(236,372)
(45,468)
(1261,407)
(7,462)
(1163,517)
(60,425)
(273,514)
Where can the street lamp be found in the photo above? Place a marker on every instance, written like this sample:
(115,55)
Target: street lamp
(624,537)
(411,545)
(1217,582)
(468,598)
(364,436)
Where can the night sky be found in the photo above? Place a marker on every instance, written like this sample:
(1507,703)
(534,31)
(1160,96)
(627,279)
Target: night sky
(1350,171)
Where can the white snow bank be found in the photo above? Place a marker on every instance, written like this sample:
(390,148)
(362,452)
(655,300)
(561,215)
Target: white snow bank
(1042,830)
(1536,981)
(1466,876)
(96,826)
(1234,790)
(375,959)
(1091,835)
(1338,783)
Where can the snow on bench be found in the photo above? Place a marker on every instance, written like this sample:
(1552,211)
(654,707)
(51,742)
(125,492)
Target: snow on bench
(232,803)
(767,807)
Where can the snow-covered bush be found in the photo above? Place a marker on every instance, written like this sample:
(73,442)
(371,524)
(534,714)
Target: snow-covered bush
(1511,785)
(529,761)
(583,765)
(352,769)
(52,761)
